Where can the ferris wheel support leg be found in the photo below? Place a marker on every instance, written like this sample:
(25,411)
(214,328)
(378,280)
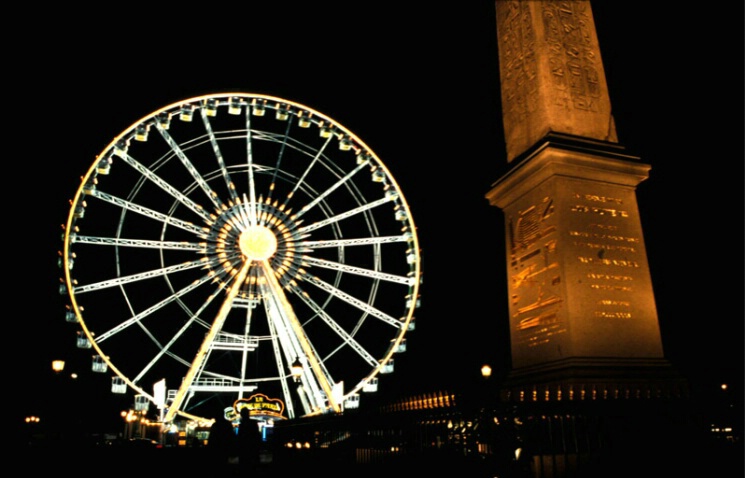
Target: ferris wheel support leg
(300,334)
(204,348)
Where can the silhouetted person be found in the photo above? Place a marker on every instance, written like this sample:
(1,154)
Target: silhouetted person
(249,443)
(223,445)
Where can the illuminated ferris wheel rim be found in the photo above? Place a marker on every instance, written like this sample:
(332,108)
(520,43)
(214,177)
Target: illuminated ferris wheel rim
(252,242)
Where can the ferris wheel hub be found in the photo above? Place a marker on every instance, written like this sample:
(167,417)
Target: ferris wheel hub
(257,243)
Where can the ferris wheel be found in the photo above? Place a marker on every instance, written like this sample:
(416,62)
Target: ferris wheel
(239,244)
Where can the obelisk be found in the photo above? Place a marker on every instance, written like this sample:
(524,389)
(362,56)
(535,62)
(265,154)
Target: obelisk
(582,312)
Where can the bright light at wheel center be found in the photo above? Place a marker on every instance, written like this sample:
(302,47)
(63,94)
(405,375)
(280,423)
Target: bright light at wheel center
(257,243)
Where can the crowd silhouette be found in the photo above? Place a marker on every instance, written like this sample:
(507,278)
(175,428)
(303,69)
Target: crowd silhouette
(235,450)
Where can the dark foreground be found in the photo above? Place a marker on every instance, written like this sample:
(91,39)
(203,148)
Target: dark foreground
(200,462)
(101,461)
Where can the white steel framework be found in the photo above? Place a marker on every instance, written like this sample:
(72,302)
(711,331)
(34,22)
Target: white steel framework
(220,239)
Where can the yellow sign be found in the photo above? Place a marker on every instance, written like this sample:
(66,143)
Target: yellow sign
(260,405)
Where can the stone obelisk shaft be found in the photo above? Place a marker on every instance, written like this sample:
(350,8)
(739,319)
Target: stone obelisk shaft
(552,76)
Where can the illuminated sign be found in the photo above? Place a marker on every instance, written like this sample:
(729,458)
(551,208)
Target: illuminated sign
(261,406)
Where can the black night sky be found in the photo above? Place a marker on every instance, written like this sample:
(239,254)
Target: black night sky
(419,84)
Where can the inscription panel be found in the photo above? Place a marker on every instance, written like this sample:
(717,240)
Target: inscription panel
(610,297)
(578,277)
(534,275)
(606,249)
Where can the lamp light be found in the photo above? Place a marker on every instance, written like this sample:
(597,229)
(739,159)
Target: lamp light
(297,370)
(486,370)
(58,365)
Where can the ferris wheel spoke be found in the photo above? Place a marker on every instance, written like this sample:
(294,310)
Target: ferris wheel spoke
(377,275)
(164,349)
(165,186)
(248,213)
(347,339)
(250,170)
(190,167)
(308,246)
(301,180)
(140,243)
(122,280)
(138,317)
(280,155)
(245,338)
(322,196)
(158,216)
(217,325)
(339,217)
(218,154)
(363,306)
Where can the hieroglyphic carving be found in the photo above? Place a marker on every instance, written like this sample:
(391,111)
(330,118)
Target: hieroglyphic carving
(551,72)
(575,77)
(535,280)
(518,68)
(530,226)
